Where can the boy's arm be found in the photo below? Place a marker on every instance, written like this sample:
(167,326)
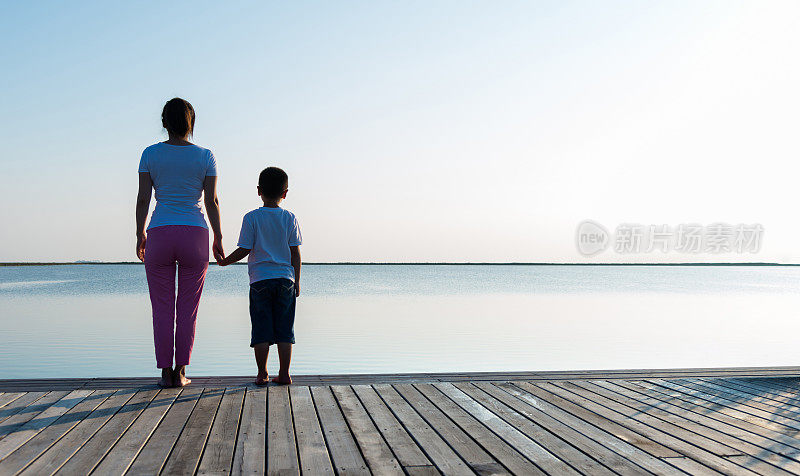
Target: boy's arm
(295,250)
(238,254)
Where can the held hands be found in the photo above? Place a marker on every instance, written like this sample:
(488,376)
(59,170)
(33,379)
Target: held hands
(219,252)
(141,240)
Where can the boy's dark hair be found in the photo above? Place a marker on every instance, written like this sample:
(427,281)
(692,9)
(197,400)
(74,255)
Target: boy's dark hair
(177,117)
(273,182)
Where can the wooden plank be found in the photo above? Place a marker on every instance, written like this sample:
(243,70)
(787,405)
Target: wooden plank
(645,436)
(748,396)
(777,374)
(313,453)
(249,457)
(23,432)
(281,442)
(662,422)
(760,459)
(731,402)
(421,470)
(732,408)
(32,385)
(561,449)
(788,411)
(755,444)
(91,453)
(342,447)
(131,443)
(544,460)
(7,398)
(24,408)
(710,453)
(42,441)
(604,453)
(153,455)
(436,448)
(505,454)
(403,446)
(186,453)
(786,443)
(748,424)
(52,459)
(761,390)
(376,451)
(589,427)
(771,385)
(623,433)
(473,454)
(716,387)
(218,455)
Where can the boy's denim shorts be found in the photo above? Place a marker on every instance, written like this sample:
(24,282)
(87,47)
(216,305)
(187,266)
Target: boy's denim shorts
(272,303)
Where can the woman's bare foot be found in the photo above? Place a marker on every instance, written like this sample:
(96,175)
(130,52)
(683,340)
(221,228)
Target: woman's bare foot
(166,378)
(262,380)
(282,380)
(179,377)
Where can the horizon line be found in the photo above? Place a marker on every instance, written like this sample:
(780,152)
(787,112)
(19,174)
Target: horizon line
(426,263)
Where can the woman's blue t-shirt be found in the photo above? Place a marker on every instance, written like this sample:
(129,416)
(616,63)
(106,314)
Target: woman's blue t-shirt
(178,173)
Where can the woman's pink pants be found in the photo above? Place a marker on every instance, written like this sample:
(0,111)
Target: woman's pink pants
(174,319)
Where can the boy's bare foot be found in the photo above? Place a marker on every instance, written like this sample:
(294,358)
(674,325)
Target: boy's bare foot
(179,377)
(262,380)
(166,378)
(282,380)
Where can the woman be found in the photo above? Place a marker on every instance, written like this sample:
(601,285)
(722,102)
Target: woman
(180,172)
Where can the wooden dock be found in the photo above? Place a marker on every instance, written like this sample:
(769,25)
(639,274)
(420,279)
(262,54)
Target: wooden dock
(631,422)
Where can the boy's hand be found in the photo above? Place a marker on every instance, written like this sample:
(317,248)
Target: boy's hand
(296,289)
(237,254)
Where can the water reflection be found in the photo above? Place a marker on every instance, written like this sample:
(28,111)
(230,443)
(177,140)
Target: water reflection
(595,322)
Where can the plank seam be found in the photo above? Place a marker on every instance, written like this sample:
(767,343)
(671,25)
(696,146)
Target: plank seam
(294,429)
(208,433)
(239,428)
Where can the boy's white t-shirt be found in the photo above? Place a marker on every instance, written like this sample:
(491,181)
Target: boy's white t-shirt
(268,233)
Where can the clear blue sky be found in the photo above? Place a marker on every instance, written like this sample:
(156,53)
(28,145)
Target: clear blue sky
(411,131)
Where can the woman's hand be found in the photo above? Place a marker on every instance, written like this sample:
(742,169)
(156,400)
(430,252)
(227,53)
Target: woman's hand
(216,248)
(142,207)
(141,240)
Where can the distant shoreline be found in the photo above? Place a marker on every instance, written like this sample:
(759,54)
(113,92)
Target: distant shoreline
(353,263)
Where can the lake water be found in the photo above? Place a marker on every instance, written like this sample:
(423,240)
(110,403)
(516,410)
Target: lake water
(95,321)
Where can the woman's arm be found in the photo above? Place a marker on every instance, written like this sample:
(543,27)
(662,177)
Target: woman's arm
(142,207)
(212,211)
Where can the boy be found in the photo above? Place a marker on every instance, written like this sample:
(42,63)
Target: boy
(270,237)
